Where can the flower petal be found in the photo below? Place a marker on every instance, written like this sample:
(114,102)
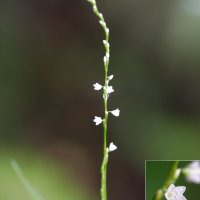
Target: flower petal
(180,189)
(194,164)
(171,187)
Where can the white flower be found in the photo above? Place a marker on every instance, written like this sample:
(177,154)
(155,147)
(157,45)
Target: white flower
(97,86)
(110,77)
(115,112)
(175,193)
(107,30)
(109,89)
(100,15)
(192,172)
(105,42)
(102,23)
(107,55)
(97,120)
(94,8)
(112,147)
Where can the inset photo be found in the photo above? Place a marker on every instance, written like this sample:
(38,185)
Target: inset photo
(172,179)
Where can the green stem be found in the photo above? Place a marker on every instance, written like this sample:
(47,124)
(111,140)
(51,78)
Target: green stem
(104,163)
(103,190)
(103,177)
(171,179)
(105,130)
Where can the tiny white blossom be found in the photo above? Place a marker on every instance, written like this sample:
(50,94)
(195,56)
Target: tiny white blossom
(115,112)
(94,8)
(97,86)
(112,147)
(100,15)
(106,43)
(109,89)
(175,193)
(102,23)
(97,120)
(110,77)
(192,172)
(107,30)
(107,55)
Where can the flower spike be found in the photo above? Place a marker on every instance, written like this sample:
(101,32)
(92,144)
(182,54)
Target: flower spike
(106,92)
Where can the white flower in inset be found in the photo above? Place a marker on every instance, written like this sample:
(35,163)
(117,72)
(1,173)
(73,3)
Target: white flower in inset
(112,147)
(110,77)
(115,112)
(175,193)
(109,89)
(192,172)
(97,120)
(97,86)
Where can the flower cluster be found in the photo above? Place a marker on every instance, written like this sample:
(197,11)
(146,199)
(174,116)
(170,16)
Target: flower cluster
(175,193)
(108,90)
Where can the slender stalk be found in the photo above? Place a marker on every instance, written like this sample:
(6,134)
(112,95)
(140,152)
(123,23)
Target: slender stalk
(106,91)
(103,190)
(104,163)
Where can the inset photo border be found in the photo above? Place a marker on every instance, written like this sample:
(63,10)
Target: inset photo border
(172,179)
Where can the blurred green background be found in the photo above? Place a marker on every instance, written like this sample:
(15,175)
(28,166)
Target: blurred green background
(156,174)
(51,53)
